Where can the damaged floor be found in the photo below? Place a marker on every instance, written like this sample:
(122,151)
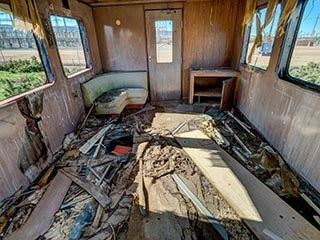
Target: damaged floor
(117,179)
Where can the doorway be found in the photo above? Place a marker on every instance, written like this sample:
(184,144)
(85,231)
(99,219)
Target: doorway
(163,29)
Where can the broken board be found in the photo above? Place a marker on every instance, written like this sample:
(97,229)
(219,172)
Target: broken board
(263,211)
(42,216)
(171,120)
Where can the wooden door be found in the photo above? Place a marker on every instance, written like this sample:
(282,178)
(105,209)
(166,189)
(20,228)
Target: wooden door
(164,53)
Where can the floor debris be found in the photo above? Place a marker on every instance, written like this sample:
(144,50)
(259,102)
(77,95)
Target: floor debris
(202,208)
(116,179)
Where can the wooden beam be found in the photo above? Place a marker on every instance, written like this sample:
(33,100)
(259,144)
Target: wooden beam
(124,2)
(42,216)
(93,190)
(260,208)
(100,3)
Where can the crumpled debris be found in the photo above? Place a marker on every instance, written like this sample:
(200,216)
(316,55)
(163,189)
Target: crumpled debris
(278,170)
(84,219)
(65,219)
(210,129)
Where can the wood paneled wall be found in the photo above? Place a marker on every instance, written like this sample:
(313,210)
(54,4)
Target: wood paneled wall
(62,102)
(123,47)
(286,114)
(208,35)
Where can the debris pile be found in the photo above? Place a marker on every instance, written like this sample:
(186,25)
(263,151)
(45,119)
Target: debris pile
(99,161)
(166,173)
(254,153)
(234,133)
(128,178)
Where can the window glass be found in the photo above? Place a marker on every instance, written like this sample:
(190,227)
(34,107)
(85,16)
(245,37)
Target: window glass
(68,38)
(305,60)
(20,66)
(261,55)
(164,41)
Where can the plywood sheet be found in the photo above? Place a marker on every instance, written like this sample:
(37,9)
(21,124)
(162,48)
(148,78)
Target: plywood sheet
(261,209)
(171,120)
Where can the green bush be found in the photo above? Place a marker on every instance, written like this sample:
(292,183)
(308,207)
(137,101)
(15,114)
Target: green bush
(22,66)
(309,72)
(19,76)
(25,82)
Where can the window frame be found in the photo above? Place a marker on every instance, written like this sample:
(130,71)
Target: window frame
(288,45)
(50,79)
(84,41)
(172,36)
(245,44)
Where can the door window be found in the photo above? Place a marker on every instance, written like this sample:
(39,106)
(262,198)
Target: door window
(164,39)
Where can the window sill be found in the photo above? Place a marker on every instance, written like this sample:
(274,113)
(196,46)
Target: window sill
(255,69)
(77,74)
(9,100)
(300,83)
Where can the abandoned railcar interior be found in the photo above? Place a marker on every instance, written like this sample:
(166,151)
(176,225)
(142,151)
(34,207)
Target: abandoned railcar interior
(159,119)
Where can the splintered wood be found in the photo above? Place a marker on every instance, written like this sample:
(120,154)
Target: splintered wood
(96,192)
(88,145)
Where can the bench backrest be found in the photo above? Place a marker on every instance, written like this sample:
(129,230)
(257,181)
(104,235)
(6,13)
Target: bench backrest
(108,81)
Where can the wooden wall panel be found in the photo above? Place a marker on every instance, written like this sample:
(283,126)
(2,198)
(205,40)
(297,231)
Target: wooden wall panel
(237,38)
(122,48)
(11,129)
(62,102)
(207,36)
(286,114)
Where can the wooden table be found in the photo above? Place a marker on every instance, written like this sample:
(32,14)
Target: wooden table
(228,86)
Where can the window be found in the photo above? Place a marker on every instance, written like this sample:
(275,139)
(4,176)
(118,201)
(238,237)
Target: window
(71,39)
(304,64)
(21,68)
(164,41)
(261,56)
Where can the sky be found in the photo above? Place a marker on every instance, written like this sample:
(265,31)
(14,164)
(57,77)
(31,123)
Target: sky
(55,20)
(164,24)
(311,12)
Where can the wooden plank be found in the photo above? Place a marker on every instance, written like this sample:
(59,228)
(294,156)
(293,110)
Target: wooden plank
(93,190)
(228,88)
(164,5)
(261,209)
(95,3)
(191,87)
(85,148)
(42,216)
